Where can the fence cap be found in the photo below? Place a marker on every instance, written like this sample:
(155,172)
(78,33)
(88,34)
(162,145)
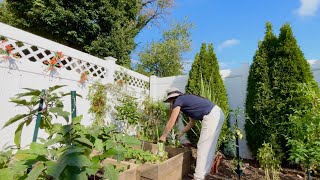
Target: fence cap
(111,59)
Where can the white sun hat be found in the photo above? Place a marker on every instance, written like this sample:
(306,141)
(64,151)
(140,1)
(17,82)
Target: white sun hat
(172,92)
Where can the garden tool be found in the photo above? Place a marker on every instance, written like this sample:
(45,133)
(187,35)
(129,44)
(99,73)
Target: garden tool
(161,148)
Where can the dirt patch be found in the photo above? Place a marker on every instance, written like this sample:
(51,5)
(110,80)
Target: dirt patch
(251,171)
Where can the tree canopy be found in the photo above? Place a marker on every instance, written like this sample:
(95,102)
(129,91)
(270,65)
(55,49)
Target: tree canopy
(100,27)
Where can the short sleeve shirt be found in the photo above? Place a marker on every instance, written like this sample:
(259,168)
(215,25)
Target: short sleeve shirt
(194,106)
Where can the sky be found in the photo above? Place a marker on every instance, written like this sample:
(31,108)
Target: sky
(235,27)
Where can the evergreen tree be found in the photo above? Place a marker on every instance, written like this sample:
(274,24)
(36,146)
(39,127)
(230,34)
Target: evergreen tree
(205,74)
(259,96)
(287,70)
(193,85)
(278,68)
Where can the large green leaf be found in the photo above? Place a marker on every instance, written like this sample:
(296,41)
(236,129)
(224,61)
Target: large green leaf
(110,172)
(78,160)
(54,169)
(17,134)
(15,119)
(92,170)
(36,171)
(24,156)
(71,150)
(55,140)
(130,140)
(31,93)
(39,149)
(21,102)
(6,173)
(120,152)
(60,112)
(66,129)
(74,173)
(68,94)
(29,89)
(109,144)
(77,119)
(84,140)
(98,144)
(55,87)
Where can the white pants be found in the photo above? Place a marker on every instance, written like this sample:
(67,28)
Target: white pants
(210,131)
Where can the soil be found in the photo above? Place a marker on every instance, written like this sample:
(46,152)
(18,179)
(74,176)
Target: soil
(251,171)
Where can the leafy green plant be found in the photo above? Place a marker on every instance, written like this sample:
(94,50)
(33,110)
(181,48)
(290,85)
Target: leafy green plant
(141,156)
(67,154)
(269,161)
(5,157)
(64,156)
(98,102)
(53,108)
(156,114)
(128,111)
(305,143)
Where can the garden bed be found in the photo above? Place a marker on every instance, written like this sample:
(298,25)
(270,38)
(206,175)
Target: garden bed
(174,168)
(130,169)
(252,171)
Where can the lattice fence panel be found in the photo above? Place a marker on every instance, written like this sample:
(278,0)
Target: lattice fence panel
(37,54)
(131,80)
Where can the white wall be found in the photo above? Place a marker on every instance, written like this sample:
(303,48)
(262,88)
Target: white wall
(235,82)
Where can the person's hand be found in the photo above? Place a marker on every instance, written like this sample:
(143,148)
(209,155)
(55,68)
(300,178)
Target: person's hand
(163,138)
(180,134)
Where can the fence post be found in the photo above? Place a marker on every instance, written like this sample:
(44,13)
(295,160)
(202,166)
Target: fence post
(73,105)
(36,129)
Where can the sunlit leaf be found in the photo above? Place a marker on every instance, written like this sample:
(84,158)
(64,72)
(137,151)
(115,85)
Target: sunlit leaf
(14,119)
(85,141)
(36,171)
(110,172)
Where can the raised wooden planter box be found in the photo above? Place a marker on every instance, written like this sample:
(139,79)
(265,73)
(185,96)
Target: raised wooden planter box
(178,164)
(131,169)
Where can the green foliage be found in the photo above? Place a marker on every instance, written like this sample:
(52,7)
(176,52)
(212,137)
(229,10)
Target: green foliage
(205,80)
(67,154)
(233,133)
(155,116)
(100,27)
(128,111)
(269,161)
(52,108)
(305,141)
(141,156)
(278,67)
(97,96)
(164,58)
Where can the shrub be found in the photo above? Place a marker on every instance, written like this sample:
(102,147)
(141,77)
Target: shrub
(205,80)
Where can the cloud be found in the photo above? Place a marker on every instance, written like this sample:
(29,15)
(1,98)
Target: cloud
(308,7)
(228,43)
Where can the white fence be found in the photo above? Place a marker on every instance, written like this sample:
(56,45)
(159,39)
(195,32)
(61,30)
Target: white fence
(29,72)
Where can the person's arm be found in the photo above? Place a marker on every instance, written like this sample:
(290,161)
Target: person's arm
(188,126)
(174,115)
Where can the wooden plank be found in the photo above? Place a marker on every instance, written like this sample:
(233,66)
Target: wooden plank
(130,169)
